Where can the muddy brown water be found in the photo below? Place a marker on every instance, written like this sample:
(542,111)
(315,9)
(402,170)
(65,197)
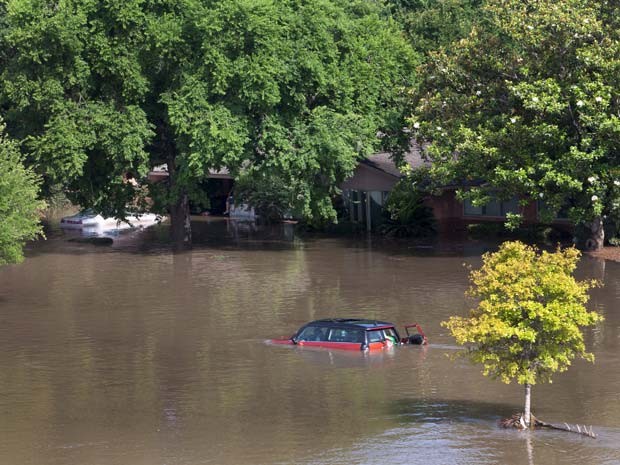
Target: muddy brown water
(133,355)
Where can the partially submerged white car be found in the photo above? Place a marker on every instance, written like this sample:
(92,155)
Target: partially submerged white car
(87,219)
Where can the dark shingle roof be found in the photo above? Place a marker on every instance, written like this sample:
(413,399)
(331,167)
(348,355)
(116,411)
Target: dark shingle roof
(383,161)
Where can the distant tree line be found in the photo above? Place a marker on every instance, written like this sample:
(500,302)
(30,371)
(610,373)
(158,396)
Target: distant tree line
(516,98)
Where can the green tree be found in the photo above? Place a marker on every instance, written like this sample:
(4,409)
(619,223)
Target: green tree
(528,105)
(291,89)
(431,24)
(528,321)
(20,208)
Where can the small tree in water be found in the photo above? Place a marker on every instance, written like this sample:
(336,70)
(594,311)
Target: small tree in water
(528,322)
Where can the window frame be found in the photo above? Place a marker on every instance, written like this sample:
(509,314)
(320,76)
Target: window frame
(505,207)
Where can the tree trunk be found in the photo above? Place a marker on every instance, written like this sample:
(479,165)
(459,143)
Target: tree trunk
(597,234)
(527,414)
(180,226)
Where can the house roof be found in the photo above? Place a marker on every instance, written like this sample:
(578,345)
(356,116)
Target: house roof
(383,161)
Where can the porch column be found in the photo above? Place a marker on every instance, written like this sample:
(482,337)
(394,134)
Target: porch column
(368,218)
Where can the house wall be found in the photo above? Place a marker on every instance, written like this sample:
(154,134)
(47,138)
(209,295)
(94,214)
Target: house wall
(445,206)
(530,213)
(365,178)
(450,214)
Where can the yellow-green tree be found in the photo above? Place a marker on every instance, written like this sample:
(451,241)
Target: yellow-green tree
(528,321)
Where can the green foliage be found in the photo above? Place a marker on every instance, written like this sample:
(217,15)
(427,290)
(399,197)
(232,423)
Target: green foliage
(73,91)
(291,90)
(528,104)
(407,214)
(20,208)
(431,24)
(306,90)
(270,197)
(615,241)
(528,321)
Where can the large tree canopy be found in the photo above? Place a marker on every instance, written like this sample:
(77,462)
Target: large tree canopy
(292,90)
(20,208)
(528,105)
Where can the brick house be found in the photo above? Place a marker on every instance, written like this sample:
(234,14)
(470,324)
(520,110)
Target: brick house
(366,191)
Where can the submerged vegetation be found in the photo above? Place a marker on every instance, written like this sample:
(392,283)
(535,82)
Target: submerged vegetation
(536,233)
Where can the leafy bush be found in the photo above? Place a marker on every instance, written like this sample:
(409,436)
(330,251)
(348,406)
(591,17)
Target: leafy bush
(20,208)
(407,216)
(269,196)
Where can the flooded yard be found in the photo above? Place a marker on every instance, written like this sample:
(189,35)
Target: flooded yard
(132,355)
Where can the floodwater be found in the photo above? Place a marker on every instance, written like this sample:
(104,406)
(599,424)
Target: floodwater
(132,355)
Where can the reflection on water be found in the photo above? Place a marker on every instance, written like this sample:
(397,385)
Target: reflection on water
(132,355)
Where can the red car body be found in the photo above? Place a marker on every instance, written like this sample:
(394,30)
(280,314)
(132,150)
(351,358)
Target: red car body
(351,334)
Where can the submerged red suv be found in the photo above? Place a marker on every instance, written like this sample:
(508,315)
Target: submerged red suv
(352,334)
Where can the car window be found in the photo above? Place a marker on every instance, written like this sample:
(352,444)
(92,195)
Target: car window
(345,335)
(391,335)
(375,336)
(313,333)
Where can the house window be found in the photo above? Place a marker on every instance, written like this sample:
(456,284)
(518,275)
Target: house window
(356,204)
(496,208)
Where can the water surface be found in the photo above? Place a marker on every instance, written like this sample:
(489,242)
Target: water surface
(133,355)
